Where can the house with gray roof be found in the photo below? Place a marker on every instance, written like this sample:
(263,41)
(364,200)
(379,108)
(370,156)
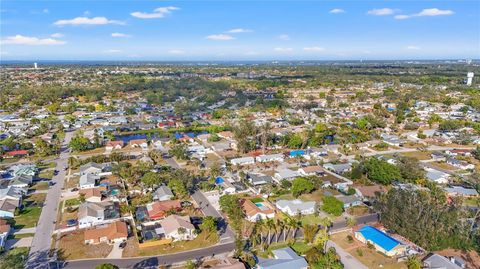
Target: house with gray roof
(296,207)
(338,168)
(283,258)
(437,176)
(88,181)
(436,261)
(259,179)
(350,201)
(461,191)
(285,174)
(163,193)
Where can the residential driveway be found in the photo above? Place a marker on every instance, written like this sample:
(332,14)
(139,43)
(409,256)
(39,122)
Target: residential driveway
(22,242)
(116,252)
(348,260)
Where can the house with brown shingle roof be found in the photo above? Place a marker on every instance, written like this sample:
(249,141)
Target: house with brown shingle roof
(110,233)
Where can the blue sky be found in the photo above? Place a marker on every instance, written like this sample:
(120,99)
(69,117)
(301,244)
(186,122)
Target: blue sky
(239,30)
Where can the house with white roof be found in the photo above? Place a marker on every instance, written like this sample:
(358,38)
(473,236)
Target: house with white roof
(296,207)
(242,161)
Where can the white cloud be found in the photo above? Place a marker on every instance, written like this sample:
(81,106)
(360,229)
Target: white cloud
(112,51)
(283,50)
(381,11)
(239,30)
(220,37)
(32,41)
(336,11)
(428,12)
(160,12)
(284,37)
(401,17)
(176,52)
(120,35)
(313,49)
(412,47)
(57,35)
(88,21)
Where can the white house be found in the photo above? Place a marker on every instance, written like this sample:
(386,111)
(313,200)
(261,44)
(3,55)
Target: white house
(437,176)
(178,228)
(88,181)
(285,174)
(270,158)
(242,161)
(90,214)
(295,207)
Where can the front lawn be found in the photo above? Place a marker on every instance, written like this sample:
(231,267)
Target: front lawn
(369,257)
(46,174)
(28,217)
(14,259)
(72,202)
(72,246)
(201,241)
(40,186)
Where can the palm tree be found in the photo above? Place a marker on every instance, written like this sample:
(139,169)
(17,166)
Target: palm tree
(278,229)
(259,226)
(270,226)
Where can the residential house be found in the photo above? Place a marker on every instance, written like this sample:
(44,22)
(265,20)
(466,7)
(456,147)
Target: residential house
(96,169)
(296,153)
(464,165)
(338,168)
(94,195)
(461,191)
(114,145)
(438,156)
(350,200)
(296,207)
(371,191)
(226,135)
(7,208)
(5,230)
(23,169)
(12,193)
(178,228)
(159,209)
(242,161)
(139,143)
(21,181)
(114,232)
(225,185)
(437,176)
(256,211)
(88,181)
(314,170)
(285,174)
(283,258)
(382,242)
(258,179)
(456,152)
(436,261)
(92,214)
(163,193)
(16,154)
(391,140)
(269,158)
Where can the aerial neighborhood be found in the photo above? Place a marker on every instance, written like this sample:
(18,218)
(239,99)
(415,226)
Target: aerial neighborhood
(265,166)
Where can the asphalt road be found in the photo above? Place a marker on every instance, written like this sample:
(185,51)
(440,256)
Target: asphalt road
(156,261)
(38,256)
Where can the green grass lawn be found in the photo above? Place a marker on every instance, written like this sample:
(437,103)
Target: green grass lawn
(45,165)
(47,174)
(471,201)
(311,219)
(18,236)
(299,247)
(72,202)
(40,186)
(35,199)
(14,259)
(28,217)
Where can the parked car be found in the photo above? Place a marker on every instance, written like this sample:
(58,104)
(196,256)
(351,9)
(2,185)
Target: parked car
(123,244)
(72,222)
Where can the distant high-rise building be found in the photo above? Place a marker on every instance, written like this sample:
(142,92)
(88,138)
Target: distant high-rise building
(469,61)
(469,78)
(35,65)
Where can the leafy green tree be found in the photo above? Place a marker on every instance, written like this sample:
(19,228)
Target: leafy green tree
(413,262)
(476,153)
(381,171)
(178,187)
(151,179)
(301,185)
(209,225)
(179,151)
(410,169)
(332,205)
